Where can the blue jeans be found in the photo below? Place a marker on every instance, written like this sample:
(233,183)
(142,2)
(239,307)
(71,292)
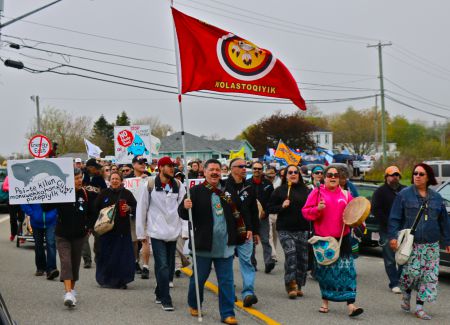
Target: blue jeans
(393,270)
(45,263)
(248,272)
(164,256)
(224,273)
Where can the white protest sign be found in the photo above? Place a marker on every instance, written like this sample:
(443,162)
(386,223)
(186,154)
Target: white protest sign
(41,181)
(134,184)
(131,141)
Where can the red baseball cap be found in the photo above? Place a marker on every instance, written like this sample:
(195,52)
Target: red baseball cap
(165,161)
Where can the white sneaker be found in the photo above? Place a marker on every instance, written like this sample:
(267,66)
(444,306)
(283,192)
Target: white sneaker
(396,290)
(170,284)
(75,294)
(69,299)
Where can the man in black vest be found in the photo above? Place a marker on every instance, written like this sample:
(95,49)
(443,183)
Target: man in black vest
(382,201)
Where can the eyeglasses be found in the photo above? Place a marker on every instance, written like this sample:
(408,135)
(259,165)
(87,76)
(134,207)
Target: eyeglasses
(126,170)
(256,168)
(332,175)
(238,166)
(395,174)
(318,173)
(293,172)
(107,170)
(419,174)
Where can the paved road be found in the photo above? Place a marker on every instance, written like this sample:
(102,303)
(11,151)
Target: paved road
(34,300)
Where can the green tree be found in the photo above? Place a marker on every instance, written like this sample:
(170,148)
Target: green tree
(355,129)
(103,135)
(122,119)
(405,134)
(62,127)
(293,129)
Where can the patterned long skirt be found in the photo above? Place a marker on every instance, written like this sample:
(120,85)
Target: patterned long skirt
(422,271)
(295,247)
(338,281)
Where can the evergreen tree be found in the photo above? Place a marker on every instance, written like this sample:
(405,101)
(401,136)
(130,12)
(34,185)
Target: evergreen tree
(103,135)
(122,119)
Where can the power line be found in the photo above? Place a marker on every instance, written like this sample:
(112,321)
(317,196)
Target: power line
(417,68)
(94,60)
(284,23)
(39,42)
(420,59)
(428,101)
(415,108)
(96,35)
(289,23)
(23,39)
(272,27)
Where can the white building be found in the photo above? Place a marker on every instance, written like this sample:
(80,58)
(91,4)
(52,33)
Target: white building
(323,138)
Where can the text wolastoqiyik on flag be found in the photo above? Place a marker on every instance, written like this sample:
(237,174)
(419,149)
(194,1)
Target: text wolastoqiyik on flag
(217,60)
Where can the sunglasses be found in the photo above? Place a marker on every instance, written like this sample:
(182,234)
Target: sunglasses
(293,172)
(256,168)
(332,175)
(419,174)
(395,174)
(318,173)
(238,166)
(126,170)
(107,170)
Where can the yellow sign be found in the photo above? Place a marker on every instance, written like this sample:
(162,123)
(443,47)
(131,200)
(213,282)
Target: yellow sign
(287,154)
(237,154)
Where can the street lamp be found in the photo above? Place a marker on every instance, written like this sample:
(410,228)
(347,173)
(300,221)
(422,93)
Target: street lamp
(36,100)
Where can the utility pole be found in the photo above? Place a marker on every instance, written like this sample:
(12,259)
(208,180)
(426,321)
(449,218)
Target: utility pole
(376,123)
(38,116)
(383,111)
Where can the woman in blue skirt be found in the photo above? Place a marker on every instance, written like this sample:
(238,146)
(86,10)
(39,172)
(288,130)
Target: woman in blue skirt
(115,265)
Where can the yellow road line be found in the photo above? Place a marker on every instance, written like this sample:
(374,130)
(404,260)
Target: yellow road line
(212,287)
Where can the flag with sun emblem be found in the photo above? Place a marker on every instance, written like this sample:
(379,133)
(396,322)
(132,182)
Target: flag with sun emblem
(217,60)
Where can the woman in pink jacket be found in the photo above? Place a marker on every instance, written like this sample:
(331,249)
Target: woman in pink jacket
(325,207)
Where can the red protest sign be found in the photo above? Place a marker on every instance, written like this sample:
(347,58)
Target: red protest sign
(125,138)
(39,146)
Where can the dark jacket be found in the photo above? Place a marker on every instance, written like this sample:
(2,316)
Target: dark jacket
(109,197)
(202,218)
(431,229)
(290,218)
(94,181)
(263,191)
(382,201)
(193,174)
(73,217)
(243,195)
(39,218)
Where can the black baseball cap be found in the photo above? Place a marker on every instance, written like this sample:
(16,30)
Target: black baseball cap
(139,159)
(93,163)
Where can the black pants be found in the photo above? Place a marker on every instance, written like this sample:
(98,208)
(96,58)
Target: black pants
(15,214)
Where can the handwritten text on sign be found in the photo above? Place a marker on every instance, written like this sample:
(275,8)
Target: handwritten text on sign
(41,181)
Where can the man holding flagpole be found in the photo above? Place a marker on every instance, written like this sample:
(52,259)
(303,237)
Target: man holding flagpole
(214,228)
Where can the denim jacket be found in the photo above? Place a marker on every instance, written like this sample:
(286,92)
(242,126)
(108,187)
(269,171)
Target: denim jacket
(434,225)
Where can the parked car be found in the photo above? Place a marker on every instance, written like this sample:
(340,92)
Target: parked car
(371,235)
(441,169)
(444,191)
(372,232)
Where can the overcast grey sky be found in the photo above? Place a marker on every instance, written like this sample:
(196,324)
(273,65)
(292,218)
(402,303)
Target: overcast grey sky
(302,34)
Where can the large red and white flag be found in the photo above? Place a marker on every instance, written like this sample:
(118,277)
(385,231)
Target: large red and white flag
(217,60)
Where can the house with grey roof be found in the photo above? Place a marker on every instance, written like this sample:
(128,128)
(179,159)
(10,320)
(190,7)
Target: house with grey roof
(202,148)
